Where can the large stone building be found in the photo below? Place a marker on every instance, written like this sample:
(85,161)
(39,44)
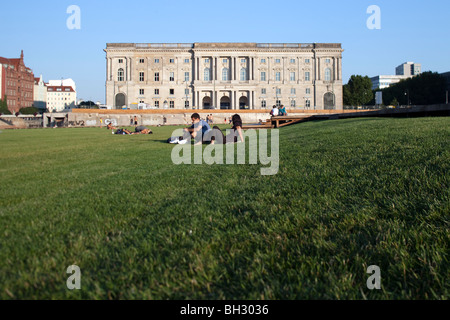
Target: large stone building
(17,83)
(224,75)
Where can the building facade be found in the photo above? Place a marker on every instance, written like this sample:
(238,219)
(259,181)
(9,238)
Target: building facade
(17,83)
(60,98)
(404,71)
(224,75)
(40,93)
(383,82)
(409,69)
(61,95)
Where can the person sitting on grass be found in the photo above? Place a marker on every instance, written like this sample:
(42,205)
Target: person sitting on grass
(198,131)
(217,136)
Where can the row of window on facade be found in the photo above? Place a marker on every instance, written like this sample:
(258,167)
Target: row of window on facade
(278,103)
(58,90)
(207,60)
(14,84)
(226,75)
(188,91)
(58,99)
(61,93)
(24,94)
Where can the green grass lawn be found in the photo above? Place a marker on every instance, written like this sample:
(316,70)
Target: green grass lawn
(349,194)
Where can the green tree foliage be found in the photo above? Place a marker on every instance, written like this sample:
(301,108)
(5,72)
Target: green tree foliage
(425,89)
(4,106)
(358,91)
(88,105)
(30,110)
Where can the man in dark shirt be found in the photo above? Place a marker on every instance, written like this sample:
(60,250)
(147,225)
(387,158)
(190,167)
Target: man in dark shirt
(194,131)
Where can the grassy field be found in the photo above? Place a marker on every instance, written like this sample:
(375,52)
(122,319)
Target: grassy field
(349,194)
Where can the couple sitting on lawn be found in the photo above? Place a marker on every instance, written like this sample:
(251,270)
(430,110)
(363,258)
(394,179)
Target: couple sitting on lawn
(201,132)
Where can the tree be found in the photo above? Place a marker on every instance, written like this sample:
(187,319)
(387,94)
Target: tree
(358,91)
(4,106)
(394,102)
(29,111)
(88,104)
(425,89)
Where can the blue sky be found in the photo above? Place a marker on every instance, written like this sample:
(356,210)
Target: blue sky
(414,30)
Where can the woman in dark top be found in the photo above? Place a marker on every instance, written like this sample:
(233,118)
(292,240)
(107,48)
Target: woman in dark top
(218,137)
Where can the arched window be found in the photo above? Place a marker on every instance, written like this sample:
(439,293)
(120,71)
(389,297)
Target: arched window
(327,74)
(207,74)
(120,75)
(225,74)
(244,74)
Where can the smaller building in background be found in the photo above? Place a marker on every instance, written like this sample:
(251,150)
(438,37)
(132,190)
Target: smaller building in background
(409,69)
(383,82)
(60,98)
(40,93)
(402,72)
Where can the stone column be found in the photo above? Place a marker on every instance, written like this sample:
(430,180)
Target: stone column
(126,69)
(108,69)
(235,68)
(253,68)
(131,70)
(319,77)
(215,69)
(231,69)
(338,75)
(253,99)
(199,103)
(334,78)
(194,64)
(198,68)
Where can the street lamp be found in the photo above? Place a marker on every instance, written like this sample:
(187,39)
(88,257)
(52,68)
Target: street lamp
(407,94)
(276,94)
